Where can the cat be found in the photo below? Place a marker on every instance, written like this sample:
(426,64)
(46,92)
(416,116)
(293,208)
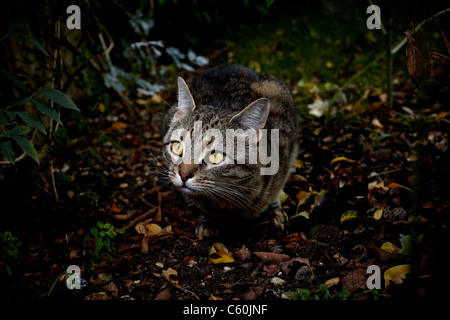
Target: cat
(223,183)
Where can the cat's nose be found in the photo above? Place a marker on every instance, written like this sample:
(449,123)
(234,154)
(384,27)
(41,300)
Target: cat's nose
(185,175)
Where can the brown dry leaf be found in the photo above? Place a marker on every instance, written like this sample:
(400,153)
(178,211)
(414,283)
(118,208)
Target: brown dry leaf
(253,293)
(112,289)
(189,260)
(164,295)
(287,265)
(170,275)
(115,208)
(411,54)
(271,257)
(355,280)
(148,229)
(243,254)
(444,37)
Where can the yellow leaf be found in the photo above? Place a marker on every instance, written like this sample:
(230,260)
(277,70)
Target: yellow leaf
(396,274)
(378,214)
(101,107)
(298,164)
(119,125)
(338,159)
(348,215)
(390,247)
(152,229)
(332,282)
(220,254)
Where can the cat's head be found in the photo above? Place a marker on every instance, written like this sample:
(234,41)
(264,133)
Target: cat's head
(197,149)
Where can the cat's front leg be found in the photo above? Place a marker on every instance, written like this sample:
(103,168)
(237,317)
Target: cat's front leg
(205,228)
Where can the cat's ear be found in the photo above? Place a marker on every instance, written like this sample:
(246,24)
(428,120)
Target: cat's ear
(186,102)
(254,116)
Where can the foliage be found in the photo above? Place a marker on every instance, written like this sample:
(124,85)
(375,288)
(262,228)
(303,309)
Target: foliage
(103,234)
(10,244)
(17,120)
(305,294)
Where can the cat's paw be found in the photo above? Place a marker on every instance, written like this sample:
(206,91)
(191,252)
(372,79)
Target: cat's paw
(205,229)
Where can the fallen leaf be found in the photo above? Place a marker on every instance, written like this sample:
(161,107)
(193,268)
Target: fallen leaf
(338,159)
(378,214)
(395,185)
(396,275)
(189,260)
(220,254)
(355,280)
(332,282)
(253,293)
(170,275)
(390,247)
(348,215)
(272,257)
(115,208)
(112,289)
(164,295)
(243,254)
(119,125)
(150,229)
(277,281)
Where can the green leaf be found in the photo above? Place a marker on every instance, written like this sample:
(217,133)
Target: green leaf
(94,231)
(8,151)
(111,233)
(43,107)
(406,242)
(4,121)
(28,147)
(15,79)
(60,98)
(18,131)
(99,244)
(269,2)
(18,102)
(107,242)
(100,224)
(348,215)
(36,44)
(31,121)
(300,294)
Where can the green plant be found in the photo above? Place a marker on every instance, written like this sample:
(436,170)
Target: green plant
(10,245)
(305,294)
(26,112)
(103,234)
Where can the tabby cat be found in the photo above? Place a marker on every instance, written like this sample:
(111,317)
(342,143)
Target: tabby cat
(222,178)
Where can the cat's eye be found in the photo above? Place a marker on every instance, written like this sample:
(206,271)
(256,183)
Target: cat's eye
(177,148)
(216,157)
